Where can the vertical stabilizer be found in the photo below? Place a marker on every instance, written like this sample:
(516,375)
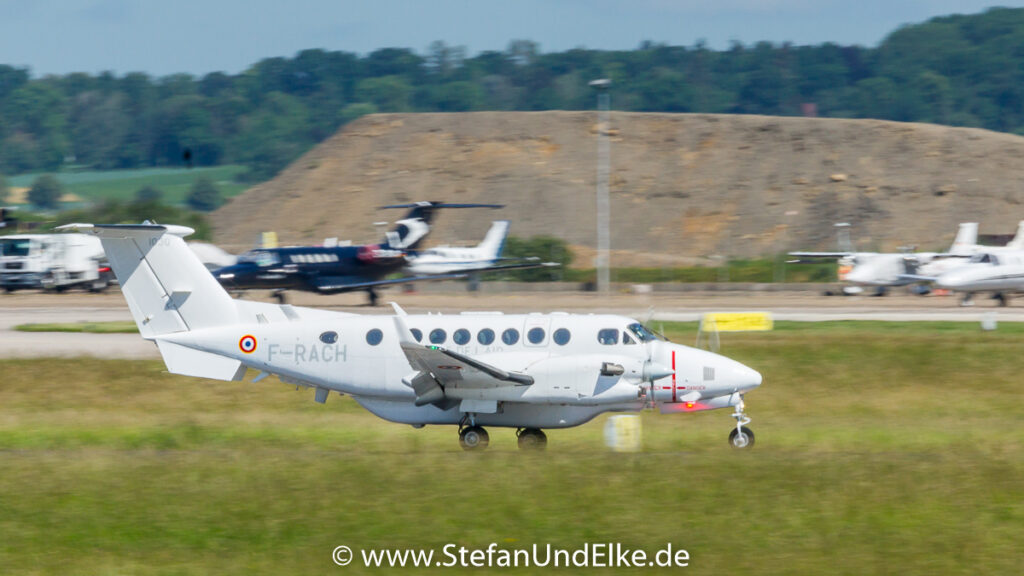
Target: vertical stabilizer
(167,288)
(966,239)
(1018,241)
(494,242)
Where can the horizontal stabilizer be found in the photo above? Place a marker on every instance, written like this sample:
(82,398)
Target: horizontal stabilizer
(190,362)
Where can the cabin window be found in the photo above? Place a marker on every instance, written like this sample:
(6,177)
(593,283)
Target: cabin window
(373,337)
(608,336)
(329,337)
(438,336)
(510,336)
(535,335)
(561,336)
(485,336)
(417,334)
(461,336)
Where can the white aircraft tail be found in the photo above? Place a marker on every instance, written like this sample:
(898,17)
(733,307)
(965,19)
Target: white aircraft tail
(169,291)
(1018,241)
(966,239)
(494,242)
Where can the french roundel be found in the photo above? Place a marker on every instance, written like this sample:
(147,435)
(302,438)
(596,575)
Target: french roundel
(247,344)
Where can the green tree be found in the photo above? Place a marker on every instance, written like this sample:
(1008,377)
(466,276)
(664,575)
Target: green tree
(45,191)
(204,195)
(387,93)
(353,111)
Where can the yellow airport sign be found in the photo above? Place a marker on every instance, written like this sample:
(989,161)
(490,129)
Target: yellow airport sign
(736,321)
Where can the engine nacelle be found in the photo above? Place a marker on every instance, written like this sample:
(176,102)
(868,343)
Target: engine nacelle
(584,379)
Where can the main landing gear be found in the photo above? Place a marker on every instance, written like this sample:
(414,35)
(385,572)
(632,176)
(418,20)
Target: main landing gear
(476,438)
(741,436)
(532,439)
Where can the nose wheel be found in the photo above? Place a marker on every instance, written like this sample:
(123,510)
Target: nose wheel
(741,436)
(473,438)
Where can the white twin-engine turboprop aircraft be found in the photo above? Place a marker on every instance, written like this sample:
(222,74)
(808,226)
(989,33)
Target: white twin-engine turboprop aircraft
(472,370)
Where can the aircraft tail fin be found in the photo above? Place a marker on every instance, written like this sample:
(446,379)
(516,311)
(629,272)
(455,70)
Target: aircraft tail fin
(167,287)
(1018,240)
(966,239)
(494,242)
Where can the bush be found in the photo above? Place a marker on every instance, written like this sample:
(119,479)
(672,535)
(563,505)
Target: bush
(204,196)
(148,194)
(113,212)
(45,191)
(547,248)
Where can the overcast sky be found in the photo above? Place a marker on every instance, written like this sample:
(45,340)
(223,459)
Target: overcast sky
(162,37)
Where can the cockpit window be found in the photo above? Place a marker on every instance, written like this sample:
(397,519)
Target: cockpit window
(642,333)
(626,339)
(15,246)
(608,336)
(260,258)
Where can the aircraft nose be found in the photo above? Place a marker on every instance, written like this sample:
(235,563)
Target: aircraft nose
(951,281)
(741,377)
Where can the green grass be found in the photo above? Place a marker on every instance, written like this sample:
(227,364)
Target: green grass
(881,448)
(764,270)
(122,185)
(88,327)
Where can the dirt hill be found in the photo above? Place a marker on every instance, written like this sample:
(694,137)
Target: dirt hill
(683,186)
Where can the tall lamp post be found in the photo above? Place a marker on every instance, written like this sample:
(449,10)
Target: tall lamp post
(603,159)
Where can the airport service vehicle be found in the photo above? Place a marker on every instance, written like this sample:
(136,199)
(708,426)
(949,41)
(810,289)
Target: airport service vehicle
(525,371)
(52,262)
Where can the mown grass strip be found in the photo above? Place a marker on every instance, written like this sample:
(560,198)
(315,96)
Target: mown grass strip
(84,327)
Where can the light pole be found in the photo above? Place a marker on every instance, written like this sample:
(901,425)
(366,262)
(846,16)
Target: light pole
(603,159)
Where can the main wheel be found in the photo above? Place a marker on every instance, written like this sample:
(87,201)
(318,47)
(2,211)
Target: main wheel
(742,438)
(473,438)
(532,439)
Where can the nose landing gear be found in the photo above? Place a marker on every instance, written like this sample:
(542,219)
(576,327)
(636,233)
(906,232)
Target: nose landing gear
(741,436)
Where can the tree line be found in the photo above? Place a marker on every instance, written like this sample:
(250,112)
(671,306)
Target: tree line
(957,70)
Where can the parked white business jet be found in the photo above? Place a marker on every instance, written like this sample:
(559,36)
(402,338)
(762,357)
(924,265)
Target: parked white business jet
(484,257)
(995,269)
(527,372)
(891,269)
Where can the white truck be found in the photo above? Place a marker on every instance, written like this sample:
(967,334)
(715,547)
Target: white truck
(53,262)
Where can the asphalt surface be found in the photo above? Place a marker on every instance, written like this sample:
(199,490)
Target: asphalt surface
(33,307)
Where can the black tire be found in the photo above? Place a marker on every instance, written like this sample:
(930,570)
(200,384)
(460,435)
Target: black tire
(98,285)
(473,438)
(532,439)
(741,442)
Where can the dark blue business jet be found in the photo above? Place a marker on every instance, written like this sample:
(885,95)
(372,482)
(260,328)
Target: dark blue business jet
(335,269)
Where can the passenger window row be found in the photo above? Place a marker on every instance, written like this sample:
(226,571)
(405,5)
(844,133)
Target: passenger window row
(510,337)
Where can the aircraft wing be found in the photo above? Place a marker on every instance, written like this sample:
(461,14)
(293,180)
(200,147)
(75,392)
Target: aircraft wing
(528,263)
(916,278)
(336,284)
(439,368)
(820,254)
